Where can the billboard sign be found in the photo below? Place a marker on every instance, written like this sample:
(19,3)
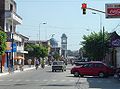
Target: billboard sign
(116,43)
(112,10)
(14,48)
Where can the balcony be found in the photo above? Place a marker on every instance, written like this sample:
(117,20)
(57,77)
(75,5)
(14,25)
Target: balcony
(12,15)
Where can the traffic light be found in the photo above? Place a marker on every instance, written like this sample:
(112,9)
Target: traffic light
(84,7)
(84,11)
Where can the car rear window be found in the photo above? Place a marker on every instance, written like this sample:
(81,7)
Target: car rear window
(57,63)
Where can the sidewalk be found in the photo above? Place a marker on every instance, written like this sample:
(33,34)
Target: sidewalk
(25,68)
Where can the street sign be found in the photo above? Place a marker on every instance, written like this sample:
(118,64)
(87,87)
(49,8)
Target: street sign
(14,48)
(112,10)
(116,43)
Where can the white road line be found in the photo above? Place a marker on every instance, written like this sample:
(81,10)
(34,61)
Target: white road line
(63,80)
(27,80)
(36,80)
(18,80)
(10,80)
(45,80)
(54,80)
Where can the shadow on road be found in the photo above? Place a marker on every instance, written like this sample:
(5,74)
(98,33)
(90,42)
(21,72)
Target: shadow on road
(54,72)
(58,85)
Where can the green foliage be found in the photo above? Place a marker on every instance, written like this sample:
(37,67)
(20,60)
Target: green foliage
(36,51)
(3,39)
(56,56)
(95,46)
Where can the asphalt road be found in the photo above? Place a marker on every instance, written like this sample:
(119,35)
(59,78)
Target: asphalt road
(45,79)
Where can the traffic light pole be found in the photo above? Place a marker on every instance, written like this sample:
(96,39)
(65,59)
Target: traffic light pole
(95,10)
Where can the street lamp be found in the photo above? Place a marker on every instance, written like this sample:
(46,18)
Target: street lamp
(39,30)
(100,19)
(103,30)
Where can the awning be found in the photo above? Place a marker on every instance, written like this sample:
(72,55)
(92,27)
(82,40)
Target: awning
(22,51)
(18,58)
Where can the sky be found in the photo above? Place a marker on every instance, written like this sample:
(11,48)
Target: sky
(63,16)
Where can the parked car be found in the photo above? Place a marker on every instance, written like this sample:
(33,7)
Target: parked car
(79,63)
(58,65)
(93,68)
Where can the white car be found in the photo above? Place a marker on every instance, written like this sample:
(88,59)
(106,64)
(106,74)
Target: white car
(58,65)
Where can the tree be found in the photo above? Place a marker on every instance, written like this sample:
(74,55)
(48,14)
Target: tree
(3,39)
(96,45)
(36,51)
(56,56)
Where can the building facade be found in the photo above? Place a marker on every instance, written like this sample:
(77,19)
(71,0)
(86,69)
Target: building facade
(9,19)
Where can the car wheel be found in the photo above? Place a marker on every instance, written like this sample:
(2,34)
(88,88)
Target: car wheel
(52,70)
(62,70)
(101,74)
(76,74)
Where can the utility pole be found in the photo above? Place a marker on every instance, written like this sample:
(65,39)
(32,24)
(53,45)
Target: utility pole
(103,43)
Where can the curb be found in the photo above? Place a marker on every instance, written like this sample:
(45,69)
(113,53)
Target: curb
(17,71)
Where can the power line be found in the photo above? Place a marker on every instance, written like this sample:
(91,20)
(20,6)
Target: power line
(116,27)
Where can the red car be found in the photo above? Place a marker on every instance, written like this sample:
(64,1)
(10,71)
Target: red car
(93,68)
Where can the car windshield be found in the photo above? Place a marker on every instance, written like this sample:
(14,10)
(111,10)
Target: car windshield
(55,63)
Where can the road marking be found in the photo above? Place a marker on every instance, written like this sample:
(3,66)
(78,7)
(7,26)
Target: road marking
(27,80)
(45,80)
(36,80)
(63,80)
(54,80)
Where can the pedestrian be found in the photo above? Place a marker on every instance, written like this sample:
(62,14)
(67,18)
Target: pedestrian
(29,62)
(37,63)
(42,63)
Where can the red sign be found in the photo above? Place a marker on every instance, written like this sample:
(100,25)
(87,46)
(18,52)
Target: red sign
(112,10)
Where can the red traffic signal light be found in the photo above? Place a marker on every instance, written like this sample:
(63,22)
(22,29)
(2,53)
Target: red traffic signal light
(84,6)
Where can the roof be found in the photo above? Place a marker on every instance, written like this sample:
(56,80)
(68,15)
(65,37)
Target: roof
(64,35)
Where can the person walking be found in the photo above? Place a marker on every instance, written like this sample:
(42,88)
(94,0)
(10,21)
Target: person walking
(37,63)
(42,63)
(29,62)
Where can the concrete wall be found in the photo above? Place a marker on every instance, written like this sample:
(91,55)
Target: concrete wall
(118,56)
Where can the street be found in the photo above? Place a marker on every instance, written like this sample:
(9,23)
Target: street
(45,79)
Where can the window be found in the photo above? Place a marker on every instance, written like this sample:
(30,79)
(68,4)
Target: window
(6,26)
(98,65)
(10,28)
(88,65)
(11,7)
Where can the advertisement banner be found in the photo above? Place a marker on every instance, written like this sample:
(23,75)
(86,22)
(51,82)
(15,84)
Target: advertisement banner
(14,48)
(112,10)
